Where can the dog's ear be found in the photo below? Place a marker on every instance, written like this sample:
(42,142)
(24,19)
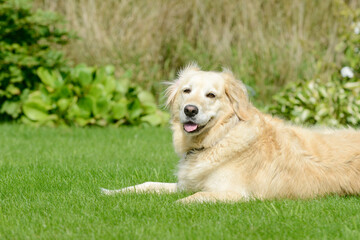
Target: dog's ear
(171,92)
(173,88)
(237,94)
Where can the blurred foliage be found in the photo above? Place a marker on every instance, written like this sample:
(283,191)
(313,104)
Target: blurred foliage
(27,42)
(313,102)
(89,96)
(266,43)
(38,87)
(334,102)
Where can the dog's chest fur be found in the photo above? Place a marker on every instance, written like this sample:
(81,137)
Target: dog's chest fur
(193,171)
(212,168)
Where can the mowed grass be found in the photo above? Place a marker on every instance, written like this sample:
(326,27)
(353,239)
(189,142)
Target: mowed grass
(50,180)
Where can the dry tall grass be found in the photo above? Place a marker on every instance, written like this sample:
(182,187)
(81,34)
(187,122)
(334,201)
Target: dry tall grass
(265,42)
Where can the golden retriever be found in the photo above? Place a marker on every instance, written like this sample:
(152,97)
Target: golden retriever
(230,151)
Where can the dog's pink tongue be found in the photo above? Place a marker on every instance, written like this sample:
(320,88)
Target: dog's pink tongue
(190,127)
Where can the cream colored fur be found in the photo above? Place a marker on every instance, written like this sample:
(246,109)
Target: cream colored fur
(243,154)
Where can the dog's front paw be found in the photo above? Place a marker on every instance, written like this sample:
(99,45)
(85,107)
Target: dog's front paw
(187,200)
(213,197)
(195,198)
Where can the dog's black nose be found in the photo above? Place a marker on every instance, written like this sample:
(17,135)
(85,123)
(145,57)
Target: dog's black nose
(191,110)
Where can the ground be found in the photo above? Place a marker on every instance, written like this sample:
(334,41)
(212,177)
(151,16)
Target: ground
(50,181)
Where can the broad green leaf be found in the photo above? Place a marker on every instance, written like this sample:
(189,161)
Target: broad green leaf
(85,78)
(149,109)
(119,109)
(64,92)
(46,77)
(103,73)
(63,103)
(50,121)
(51,79)
(97,91)
(82,121)
(13,90)
(146,97)
(152,119)
(40,97)
(78,90)
(101,107)
(122,86)
(135,110)
(11,108)
(75,112)
(85,104)
(35,110)
(109,85)
(27,121)
(83,74)
(24,95)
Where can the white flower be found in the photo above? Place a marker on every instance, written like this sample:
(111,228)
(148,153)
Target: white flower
(347,72)
(357,30)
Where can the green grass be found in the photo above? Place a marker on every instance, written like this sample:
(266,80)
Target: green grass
(50,180)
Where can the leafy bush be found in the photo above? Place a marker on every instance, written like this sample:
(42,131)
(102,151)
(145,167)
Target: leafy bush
(334,102)
(313,102)
(27,42)
(89,96)
(80,96)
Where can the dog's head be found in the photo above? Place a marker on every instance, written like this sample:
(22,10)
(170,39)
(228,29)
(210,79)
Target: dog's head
(199,99)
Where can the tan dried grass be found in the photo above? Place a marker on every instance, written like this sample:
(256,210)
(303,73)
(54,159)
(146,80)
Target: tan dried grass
(266,42)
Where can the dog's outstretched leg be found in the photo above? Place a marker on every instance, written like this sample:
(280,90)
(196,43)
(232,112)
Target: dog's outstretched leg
(155,187)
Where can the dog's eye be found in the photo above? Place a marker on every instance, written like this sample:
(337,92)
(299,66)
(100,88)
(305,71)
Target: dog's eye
(210,95)
(187,90)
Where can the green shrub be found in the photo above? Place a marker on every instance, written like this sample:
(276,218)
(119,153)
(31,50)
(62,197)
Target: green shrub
(313,102)
(38,87)
(334,102)
(89,96)
(27,41)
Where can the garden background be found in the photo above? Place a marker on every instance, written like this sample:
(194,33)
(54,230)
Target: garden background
(81,100)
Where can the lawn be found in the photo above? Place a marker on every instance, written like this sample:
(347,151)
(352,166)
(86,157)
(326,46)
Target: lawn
(50,180)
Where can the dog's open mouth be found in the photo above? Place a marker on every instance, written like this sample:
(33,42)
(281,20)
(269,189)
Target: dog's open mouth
(191,127)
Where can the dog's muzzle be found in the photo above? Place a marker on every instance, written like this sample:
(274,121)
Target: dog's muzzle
(191,110)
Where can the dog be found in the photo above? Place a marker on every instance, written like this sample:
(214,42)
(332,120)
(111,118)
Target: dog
(230,151)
